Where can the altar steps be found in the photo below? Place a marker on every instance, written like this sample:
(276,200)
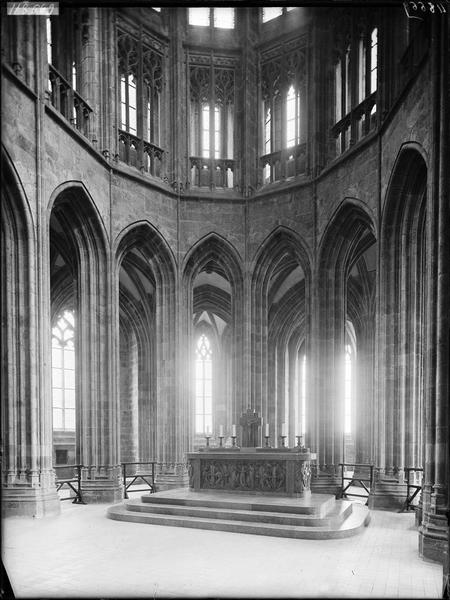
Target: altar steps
(323,518)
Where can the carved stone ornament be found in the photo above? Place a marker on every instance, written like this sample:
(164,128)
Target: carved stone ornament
(267,476)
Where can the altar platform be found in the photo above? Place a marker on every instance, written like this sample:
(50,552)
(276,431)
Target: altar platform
(315,516)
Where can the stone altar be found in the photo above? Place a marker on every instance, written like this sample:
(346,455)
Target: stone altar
(251,470)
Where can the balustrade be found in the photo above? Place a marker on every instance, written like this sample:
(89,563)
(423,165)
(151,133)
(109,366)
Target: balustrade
(283,164)
(212,172)
(356,124)
(69,102)
(140,154)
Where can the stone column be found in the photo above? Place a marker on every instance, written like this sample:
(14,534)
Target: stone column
(28,481)
(434,531)
(98,405)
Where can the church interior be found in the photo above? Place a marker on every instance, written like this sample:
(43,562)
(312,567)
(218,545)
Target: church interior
(225,278)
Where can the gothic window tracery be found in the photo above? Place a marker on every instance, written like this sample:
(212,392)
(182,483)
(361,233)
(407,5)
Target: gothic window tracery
(355,79)
(63,372)
(283,93)
(212,89)
(67,36)
(140,85)
(203,385)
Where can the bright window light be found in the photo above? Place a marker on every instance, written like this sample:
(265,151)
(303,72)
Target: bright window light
(199,16)
(63,372)
(224,18)
(348,390)
(271,12)
(203,386)
(373,60)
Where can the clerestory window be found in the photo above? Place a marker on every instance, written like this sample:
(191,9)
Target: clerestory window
(283,93)
(348,389)
(272,12)
(355,86)
(203,386)
(218,17)
(212,125)
(67,37)
(140,83)
(63,372)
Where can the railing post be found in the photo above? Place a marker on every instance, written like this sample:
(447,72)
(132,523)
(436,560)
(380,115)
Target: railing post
(153,475)
(124,466)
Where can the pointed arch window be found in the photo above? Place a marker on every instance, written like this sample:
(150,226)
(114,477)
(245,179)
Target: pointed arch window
(355,83)
(212,102)
(67,37)
(283,135)
(203,385)
(140,85)
(348,382)
(63,372)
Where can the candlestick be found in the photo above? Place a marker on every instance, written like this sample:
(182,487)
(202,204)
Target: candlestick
(267,441)
(220,440)
(283,441)
(233,440)
(207,439)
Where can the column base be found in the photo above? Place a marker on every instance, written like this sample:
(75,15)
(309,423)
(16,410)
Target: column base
(30,502)
(434,537)
(388,495)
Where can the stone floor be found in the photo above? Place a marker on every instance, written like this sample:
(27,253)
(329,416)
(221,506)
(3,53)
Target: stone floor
(81,553)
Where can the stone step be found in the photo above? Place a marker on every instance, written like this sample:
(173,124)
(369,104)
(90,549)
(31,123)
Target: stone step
(340,511)
(318,505)
(354,523)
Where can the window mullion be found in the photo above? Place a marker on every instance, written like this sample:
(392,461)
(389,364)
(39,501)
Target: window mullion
(139,95)
(212,117)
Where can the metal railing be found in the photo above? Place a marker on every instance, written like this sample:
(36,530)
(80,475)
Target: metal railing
(412,488)
(139,476)
(352,480)
(73,483)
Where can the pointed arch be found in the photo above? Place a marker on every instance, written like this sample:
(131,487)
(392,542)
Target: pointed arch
(75,223)
(214,254)
(26,433)
(344,287)
(213,249)
(145,257)
(403,294)
(280,286)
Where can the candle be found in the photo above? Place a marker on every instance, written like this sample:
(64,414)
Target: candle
(234,430)
(283,430)
(267,429)
(207,429)
(221,431)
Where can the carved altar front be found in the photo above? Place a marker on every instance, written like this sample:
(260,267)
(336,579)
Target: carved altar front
(263,471)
